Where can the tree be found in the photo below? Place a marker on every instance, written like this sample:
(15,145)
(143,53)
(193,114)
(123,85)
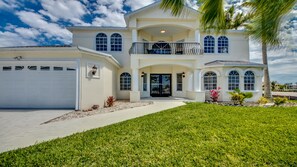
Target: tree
(264,23)
(264,27)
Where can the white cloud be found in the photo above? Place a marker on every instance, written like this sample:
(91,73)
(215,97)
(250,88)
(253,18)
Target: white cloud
(27,32)
(108,17)
(136,4)
(51,30)
(14,39)
(66,10)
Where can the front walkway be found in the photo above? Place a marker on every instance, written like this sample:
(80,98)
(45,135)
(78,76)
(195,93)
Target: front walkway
(18,135)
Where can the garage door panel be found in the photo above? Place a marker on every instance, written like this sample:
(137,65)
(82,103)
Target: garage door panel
(38,89)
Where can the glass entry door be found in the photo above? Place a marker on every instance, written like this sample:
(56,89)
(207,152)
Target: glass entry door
(160,85)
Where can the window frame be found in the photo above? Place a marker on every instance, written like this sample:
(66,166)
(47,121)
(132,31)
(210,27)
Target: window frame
(179,82)
(249,81)
(209,44)
(233,80)
(116,42)
(210,80)
(101,45)
(223,42)
(125,81)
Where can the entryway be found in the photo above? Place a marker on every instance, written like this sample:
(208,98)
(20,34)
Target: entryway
(160,85)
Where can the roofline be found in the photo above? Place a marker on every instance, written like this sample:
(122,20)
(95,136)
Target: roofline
(238,65)
(127,15)
(95,28)
(109,57)
(100,54)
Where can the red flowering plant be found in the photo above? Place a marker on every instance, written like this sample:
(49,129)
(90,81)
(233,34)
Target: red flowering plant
(215,94)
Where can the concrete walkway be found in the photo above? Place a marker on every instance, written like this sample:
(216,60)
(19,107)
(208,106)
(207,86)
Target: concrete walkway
(17,134)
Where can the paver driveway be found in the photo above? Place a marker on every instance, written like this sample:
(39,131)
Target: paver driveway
(22,128)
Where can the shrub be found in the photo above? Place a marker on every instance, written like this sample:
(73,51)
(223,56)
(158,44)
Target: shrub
(263,100)
(279,100)
(238,97)
(110,101)
(215,94)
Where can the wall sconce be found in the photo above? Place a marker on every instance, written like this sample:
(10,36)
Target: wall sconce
(142,74)
(18,58)
(183,73)
(94,70)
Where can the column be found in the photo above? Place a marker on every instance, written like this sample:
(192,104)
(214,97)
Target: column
(135,80)
(197,80)
(134,35)
(197,36)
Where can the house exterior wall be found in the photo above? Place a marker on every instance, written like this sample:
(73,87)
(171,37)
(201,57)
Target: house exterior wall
(141,22)
(94,91)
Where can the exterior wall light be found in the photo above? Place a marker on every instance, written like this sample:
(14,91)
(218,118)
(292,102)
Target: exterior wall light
(162,31)
(183,73)
(142,74)
(94,70)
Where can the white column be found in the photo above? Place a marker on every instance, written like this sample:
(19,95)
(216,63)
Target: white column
(197,36)
(190,81)
(197,80)
(134,35)
(135,80)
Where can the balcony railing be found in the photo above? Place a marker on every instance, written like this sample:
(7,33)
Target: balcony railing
(182,48)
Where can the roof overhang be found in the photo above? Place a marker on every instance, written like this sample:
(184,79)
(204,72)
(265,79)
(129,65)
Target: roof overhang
(79,49)
(223,63)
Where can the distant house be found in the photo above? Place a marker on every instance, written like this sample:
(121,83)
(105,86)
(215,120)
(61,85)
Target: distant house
(155,55)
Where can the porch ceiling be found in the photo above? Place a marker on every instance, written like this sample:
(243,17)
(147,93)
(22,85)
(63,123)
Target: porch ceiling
(169,30)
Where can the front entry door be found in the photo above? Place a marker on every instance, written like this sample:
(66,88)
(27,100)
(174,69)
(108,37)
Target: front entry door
(160,85)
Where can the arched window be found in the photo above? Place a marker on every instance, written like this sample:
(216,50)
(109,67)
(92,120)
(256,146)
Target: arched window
(101,42)
(223,44)
(116,42)
(209,44)
(125,81)
(249,80)
(210,81)
(233,80)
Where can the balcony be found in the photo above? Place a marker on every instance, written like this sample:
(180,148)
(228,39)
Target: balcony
(176,48)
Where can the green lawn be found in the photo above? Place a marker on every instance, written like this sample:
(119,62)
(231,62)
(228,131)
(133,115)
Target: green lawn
(191,135)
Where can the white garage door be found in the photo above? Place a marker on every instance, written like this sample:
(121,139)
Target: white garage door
(34,84)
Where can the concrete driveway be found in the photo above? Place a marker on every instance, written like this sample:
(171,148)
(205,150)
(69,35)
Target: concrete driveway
(21,128)
(19,124)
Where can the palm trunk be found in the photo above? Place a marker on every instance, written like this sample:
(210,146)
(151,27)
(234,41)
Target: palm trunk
(267,88)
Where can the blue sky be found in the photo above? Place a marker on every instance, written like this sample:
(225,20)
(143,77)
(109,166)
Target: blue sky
(43,22)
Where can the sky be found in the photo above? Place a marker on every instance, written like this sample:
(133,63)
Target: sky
(44,22)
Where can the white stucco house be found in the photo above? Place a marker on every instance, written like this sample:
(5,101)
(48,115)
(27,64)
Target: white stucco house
(156,54)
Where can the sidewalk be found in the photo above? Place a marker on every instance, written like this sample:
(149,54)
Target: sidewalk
(23,136)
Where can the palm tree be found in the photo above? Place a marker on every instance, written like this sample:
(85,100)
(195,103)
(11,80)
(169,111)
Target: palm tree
(263,26)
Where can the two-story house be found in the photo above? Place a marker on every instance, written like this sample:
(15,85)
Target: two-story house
(155,55)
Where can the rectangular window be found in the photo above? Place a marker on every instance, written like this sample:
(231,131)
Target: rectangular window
(6,68)
(58,68)
(44,68)
(70,69)
(32,67)
(144,82)
(19,68)
(179,82)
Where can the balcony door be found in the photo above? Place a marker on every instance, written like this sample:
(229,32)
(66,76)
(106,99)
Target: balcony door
(160,85)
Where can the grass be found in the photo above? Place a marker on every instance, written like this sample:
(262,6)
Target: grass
(193,135)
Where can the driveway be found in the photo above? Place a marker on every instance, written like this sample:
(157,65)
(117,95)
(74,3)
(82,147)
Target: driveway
(21,128)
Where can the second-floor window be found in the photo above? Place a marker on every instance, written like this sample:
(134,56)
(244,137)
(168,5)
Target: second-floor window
(209,44)
(101,42)
(116,42)
(223,44)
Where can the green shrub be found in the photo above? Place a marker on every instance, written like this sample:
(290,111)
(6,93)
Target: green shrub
(238,97)
(263,100)
(279,100)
